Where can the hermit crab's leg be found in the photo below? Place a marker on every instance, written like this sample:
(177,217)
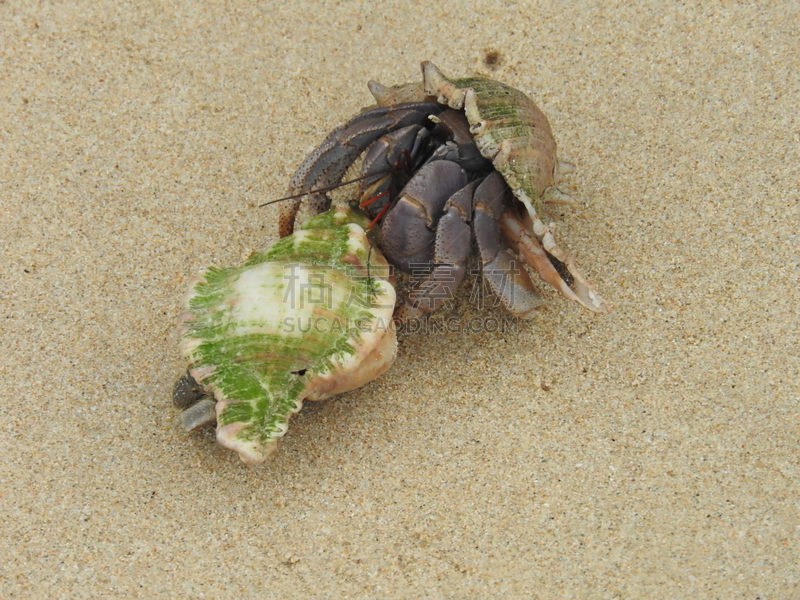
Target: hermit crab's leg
(508,280)
(451,251)
(401,148)
(328,163)
(382,162)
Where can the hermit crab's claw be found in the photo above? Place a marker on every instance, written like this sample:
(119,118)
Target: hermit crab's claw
(408,233)
(451,251)
(427,233)
(509,281)
(285,327)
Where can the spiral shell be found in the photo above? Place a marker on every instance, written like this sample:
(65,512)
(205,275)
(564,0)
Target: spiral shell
(308,318)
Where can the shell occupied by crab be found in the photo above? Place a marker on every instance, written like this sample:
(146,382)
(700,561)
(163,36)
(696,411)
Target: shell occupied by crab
(446,166)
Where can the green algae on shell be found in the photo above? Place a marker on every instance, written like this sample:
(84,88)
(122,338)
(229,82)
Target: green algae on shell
(308,318)
(508,128)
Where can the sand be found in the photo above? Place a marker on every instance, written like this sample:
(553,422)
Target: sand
(648,453)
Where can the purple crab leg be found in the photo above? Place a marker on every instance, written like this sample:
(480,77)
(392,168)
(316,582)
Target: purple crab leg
(451,251)
(508,280)
(329,162)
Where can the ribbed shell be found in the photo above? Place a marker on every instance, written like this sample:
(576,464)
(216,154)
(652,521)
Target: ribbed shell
(508,128)
(310,317)
(511,115)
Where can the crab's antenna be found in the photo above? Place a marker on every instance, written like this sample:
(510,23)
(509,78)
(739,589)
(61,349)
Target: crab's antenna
(404,162)
(329,188)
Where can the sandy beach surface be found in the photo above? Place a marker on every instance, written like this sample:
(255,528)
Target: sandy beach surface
(653,452)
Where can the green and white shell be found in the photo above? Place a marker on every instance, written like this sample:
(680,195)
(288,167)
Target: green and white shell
(308,318)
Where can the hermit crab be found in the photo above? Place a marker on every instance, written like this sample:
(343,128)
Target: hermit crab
(501,135)
(443,162)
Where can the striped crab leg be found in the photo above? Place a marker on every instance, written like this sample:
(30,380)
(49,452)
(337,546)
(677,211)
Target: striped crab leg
(328,163)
